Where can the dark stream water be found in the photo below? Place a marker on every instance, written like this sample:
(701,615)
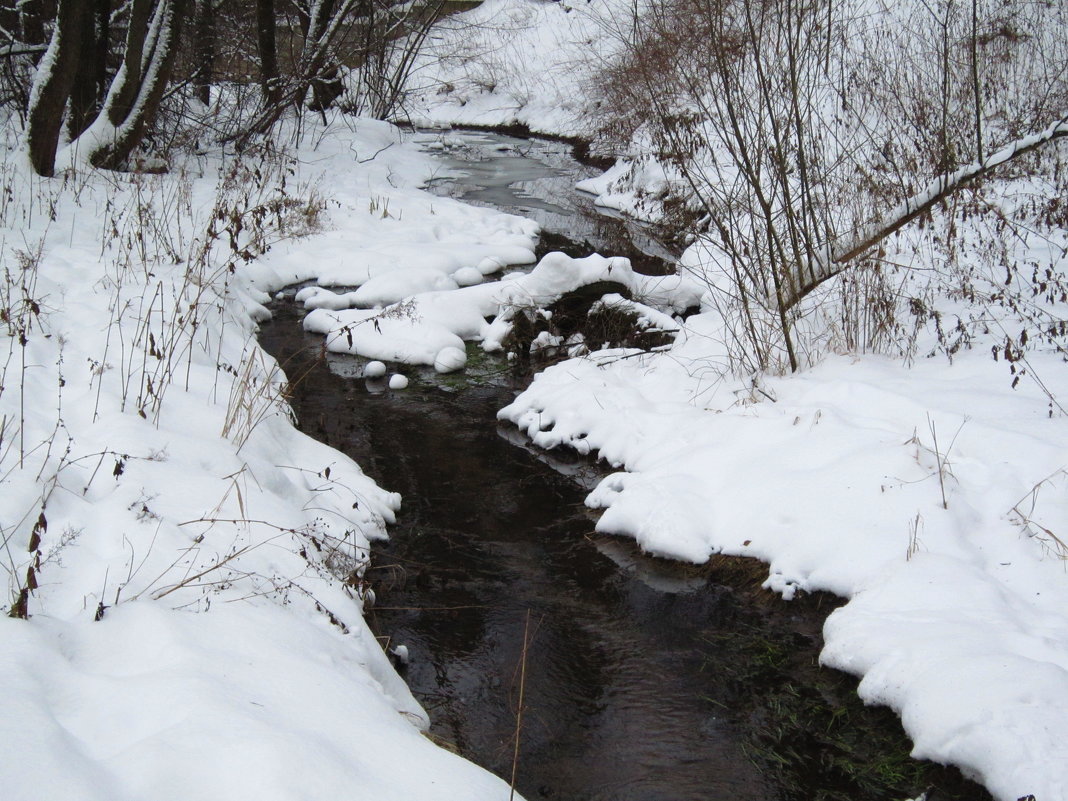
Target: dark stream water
(645,680)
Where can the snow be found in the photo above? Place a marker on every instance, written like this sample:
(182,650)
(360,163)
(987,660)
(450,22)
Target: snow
(449,360)
(222,550)
(957,615)
(244,702)
(196,629)
(633,186)
(515,61)
(387,237)
(431,327)
(374,369)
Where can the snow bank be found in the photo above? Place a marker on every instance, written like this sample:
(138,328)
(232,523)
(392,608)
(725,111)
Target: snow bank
(515,61)
(957,615)
(248,702)
(635,186)
(191,564)
(387,236)
(431,327)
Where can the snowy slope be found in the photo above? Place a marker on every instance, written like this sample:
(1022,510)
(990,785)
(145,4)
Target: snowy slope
(515,61)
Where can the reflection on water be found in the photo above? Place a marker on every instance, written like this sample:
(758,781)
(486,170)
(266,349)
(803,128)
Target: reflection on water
(618,704)
(536,178)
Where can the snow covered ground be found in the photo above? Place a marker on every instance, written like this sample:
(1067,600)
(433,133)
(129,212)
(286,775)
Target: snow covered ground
(189,562)
(506,62)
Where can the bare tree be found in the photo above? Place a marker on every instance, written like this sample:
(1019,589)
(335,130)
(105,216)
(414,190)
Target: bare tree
(391,38)
(802,135)
(323,24)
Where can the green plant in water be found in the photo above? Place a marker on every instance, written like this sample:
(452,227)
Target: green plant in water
(807,730)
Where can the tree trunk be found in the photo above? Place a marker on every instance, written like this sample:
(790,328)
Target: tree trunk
(268,52)
(52,85)
(204,49)
(157,54)
(90,82)
(127,81)
(314,16)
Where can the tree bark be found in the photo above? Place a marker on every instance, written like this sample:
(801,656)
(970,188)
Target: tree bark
(268,52)
(53,83)
(204,49)
(141,101)
(90,82)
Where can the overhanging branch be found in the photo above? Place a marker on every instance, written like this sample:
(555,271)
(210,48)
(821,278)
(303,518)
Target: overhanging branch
(938,190)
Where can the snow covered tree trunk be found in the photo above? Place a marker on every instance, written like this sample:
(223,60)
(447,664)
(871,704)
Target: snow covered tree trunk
(124,86)
(841,254)
(90,82)
(323,82)
(52,85)
(134,100)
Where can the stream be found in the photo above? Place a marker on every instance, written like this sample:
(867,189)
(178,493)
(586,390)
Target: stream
(642,679)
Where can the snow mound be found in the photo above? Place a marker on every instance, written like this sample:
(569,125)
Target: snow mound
(418,329)
(374,369)
(450,359)
(957,616)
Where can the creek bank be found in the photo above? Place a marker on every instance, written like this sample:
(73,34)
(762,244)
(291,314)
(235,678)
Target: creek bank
(646,678)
